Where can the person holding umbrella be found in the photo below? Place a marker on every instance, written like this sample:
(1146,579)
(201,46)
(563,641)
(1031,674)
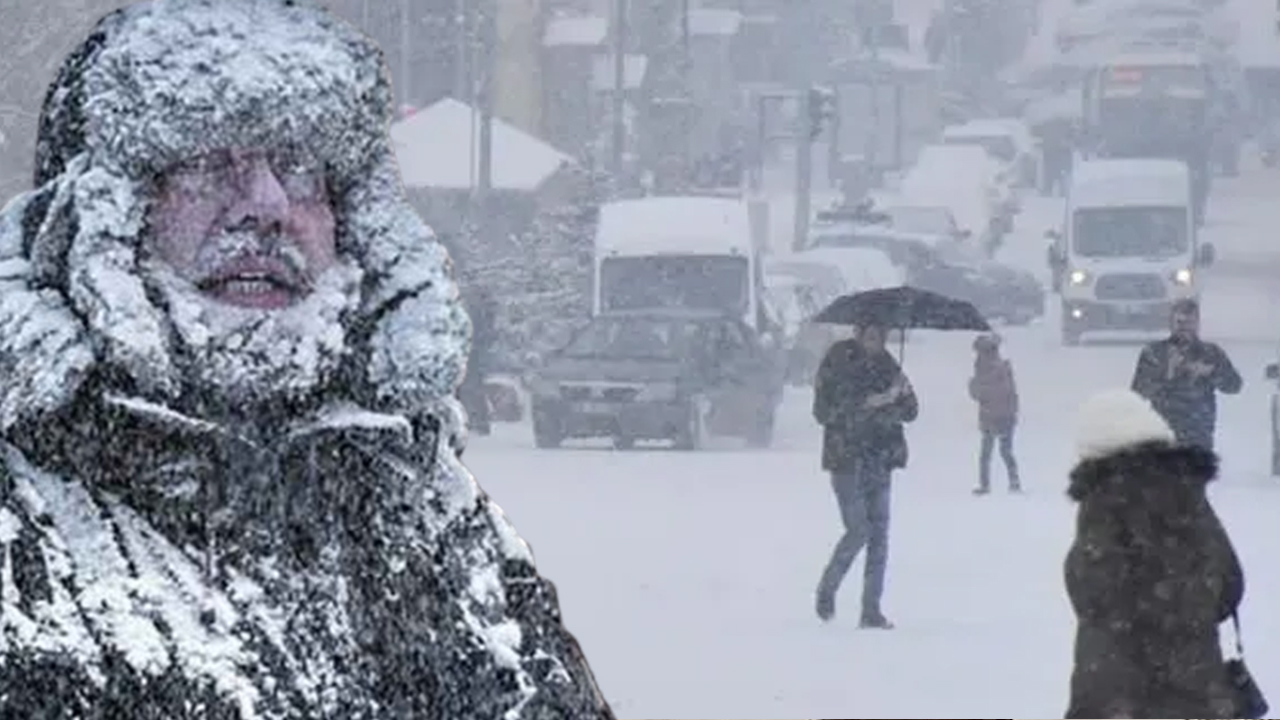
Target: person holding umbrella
(862,399)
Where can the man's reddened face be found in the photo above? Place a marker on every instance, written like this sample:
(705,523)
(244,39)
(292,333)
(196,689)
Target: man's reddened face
(250,228)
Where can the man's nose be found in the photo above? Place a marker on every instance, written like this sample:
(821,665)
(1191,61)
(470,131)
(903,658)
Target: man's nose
(260,199)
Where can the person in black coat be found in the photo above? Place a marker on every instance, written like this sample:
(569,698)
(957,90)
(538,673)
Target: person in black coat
(861,399)
(1181,376)
(1151,573)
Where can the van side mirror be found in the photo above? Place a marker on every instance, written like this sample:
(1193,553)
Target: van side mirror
(1206,255)
(1273,371)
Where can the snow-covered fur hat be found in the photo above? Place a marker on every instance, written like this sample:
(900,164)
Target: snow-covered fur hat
(165,80)
(1116,420)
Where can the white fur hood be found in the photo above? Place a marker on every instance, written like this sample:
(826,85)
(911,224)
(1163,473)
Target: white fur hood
(148,87)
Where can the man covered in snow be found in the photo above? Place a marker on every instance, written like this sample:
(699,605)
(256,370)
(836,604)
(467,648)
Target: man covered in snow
(862,399)
(1182,375)
(1151,573)
(228,353)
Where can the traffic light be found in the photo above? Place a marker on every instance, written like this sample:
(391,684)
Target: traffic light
(822,109)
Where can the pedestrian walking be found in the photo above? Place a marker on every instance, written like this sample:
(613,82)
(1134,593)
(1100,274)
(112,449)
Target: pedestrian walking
(1182,375)
(1151,573)
(994,389)
(862,399)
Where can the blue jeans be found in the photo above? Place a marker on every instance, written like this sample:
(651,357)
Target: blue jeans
(863,497)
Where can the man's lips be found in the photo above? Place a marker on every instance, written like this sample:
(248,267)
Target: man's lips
(259,282)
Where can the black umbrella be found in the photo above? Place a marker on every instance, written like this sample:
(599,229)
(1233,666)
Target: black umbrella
(904,308)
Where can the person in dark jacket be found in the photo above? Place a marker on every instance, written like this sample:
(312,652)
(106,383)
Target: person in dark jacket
(996,393)
(862,399)
(1182,374)
(1151,573)
(229,347)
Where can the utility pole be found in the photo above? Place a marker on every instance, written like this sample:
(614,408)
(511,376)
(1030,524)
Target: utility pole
(463,84)
(804,169)
(364,16)
(488,40)
(686,89)
(406,55)
(620,32)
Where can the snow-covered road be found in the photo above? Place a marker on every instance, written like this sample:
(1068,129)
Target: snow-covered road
(688,578)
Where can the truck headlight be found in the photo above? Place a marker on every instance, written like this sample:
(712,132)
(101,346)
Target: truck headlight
(1079,277)
(657,392)
(1183,276)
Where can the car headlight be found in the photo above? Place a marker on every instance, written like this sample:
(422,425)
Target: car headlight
(1079,277)
(657,391)
(1183,276)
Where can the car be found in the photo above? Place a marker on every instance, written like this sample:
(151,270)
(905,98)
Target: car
(902,215)
(955,269)
(966,181)
(670,374)
(1008,140)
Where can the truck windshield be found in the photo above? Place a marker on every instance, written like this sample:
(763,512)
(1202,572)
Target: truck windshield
(634,338)
(696,282)
(1121,232)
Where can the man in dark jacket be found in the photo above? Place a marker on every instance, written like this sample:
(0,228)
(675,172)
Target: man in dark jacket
(230,486)
(862,399)
(1182,374)
(1151,573)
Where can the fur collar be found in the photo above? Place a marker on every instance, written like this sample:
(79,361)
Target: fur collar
(1142,469)
(104,131)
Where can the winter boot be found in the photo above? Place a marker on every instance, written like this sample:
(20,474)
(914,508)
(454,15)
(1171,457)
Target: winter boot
(826,606)
(875,621)
(982,490)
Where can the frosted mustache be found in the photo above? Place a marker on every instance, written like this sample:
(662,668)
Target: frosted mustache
(226,247)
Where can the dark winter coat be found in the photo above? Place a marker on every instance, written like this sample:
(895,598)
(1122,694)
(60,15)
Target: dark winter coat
(993,387)
(321,555)
(1151,574)
(1188,404)
(847,376)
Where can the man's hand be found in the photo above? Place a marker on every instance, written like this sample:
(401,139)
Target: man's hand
(889,396)
(1200,369)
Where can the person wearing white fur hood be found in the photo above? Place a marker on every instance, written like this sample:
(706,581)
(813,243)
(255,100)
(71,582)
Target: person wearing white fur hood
(228,351)
(1151,573)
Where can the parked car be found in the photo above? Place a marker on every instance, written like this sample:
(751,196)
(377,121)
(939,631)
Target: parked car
(966,181)
(999,291)
(673,374)
(956,269)
(1008,140)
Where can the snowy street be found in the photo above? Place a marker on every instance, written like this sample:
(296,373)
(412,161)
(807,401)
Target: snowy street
(689,577)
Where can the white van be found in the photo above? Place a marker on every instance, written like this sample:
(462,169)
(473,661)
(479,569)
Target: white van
(688,252)
(1128,249)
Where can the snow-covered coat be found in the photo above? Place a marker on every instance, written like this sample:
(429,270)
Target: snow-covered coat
(332,560)
(1151,573)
